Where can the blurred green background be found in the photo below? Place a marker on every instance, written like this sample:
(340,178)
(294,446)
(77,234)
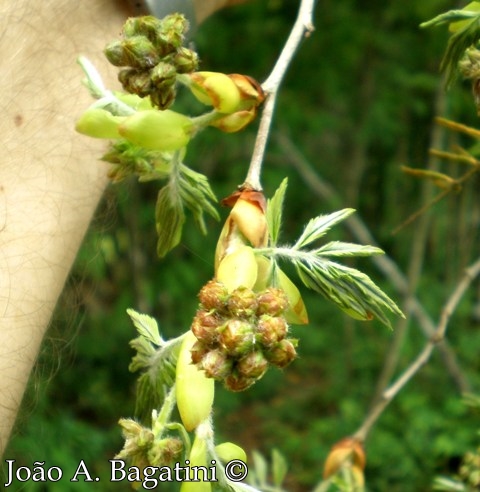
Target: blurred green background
(357,103)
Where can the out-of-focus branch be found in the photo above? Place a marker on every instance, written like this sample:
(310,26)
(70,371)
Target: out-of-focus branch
(384,263)
(303,27)
(438,336)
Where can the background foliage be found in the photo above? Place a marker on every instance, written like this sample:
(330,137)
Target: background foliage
(357,103)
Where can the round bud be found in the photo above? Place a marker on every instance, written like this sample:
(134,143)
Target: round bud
(253,365)
(282,353)
(163,98)
(236,337)
(237,382)
(213,295)
(242,303)
(163,75)
(204,326)
(271,329)
(272,301)
(216,364)
(135,81)
(185,60)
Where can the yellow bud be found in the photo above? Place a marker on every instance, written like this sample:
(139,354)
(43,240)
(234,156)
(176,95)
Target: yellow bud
(245,224)
(197,458)
(99,123)
(216,89)
(227,451)
(238,269)
(235,122)
(157,130)
(194,391)
(296,313)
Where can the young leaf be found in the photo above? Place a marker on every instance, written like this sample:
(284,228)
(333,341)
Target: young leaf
(338,248)
(146,326)
(169,220)
(351,290)
(260,467)
(279,468)
(274,212)
(319,226)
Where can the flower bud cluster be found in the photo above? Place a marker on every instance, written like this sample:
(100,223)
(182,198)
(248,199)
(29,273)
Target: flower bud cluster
(240,333)
(470,469)
(142,449)
(151,54)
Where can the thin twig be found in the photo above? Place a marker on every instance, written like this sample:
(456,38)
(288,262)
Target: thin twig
(303,27)
(470,274)
(384,263)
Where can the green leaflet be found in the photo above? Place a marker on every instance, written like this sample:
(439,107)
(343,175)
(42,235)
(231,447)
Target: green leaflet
(157,359)
(274,212)
(465,28)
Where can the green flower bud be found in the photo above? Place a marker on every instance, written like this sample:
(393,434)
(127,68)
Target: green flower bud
(157,130)
(213,295)
(216,364)
(237,337)
(271,329)
(242,303)
(138,440)
(272,301)
(185,60)
(163,75)
(253,365)
(194,391)
(237,382)
(165,451)
(136,52)
(136,81)
(163,98)
(174,26)
(228,451)
(204,326)
(147,25)
(99,123)
(282,353)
